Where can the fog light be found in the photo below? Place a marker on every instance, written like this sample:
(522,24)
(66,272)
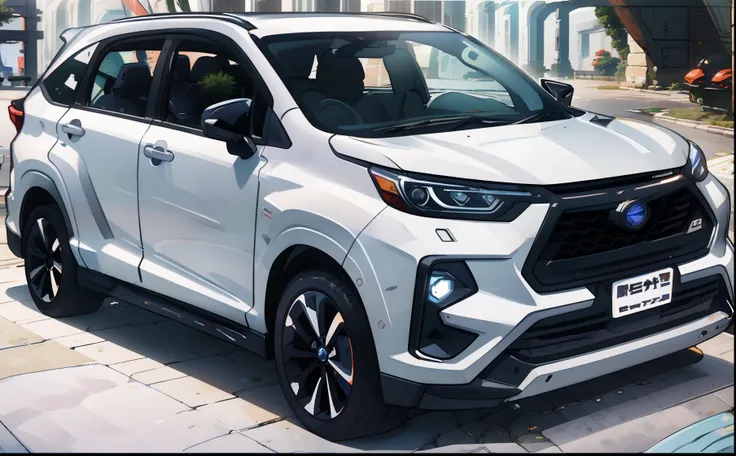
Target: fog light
(440,287)
(440,283)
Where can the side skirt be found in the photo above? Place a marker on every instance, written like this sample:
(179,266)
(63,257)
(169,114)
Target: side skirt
(186,314)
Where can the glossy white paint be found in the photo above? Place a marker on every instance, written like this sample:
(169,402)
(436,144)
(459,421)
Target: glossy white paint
(542,153)
(106,158)
(197,222)
(207,227)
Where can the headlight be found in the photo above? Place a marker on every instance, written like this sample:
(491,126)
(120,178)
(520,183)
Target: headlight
(697,164)
(444,198)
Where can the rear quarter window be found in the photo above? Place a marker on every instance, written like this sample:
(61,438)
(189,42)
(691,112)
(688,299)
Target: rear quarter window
(62,85)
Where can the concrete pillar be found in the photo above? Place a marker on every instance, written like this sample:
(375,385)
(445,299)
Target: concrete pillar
(535,41)
(30,46)
(489,9)
(327,6)
(562,67)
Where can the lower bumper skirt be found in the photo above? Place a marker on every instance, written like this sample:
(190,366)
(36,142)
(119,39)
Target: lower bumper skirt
(483,393)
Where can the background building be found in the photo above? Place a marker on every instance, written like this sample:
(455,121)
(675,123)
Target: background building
(537,35)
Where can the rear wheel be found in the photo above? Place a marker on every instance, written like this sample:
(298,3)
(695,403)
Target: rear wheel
(326,360)
(51,269)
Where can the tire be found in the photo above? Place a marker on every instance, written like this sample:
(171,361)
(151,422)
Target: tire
(51,269)
(330,402)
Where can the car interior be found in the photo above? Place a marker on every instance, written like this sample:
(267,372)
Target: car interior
(338,96)
(200,77)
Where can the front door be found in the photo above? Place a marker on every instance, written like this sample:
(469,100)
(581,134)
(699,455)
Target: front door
(197,201)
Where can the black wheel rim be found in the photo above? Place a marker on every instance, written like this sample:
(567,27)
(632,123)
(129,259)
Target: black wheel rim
(318,355)
(43,260)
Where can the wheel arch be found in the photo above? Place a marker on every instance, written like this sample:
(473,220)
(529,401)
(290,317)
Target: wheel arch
(290,262)
(41,190)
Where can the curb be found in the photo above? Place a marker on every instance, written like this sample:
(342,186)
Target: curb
(723,131)
(667,93)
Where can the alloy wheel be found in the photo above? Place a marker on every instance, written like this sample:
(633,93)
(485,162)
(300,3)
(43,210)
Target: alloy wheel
(318,355)
(44,260)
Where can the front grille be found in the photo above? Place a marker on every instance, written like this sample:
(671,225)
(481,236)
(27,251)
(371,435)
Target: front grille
(584,331)
(579,244)
(583,233)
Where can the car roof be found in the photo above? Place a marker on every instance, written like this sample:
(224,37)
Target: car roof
(265,24)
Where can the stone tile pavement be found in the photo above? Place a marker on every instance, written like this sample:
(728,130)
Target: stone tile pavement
(125,379)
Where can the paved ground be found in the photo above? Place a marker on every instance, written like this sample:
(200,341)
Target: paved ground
(124,379)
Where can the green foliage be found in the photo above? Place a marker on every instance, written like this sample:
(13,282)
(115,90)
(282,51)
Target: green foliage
(621,71)
(6,14)
(610,21)
(604,64)
(217,87)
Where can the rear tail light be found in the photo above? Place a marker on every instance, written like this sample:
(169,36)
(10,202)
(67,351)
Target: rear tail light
(17,115)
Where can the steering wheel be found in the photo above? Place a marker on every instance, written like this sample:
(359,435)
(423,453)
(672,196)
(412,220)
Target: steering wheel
(332,102)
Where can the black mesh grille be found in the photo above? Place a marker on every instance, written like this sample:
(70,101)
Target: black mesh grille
(578,234)
(587,330)
(580,243)
(570,334)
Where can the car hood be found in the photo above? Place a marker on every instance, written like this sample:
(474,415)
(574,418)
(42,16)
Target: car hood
(548,153)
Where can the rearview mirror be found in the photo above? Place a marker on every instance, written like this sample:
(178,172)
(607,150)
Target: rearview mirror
(225,121)
(559,90)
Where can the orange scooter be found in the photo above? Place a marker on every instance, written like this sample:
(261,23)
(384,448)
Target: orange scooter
(709,84)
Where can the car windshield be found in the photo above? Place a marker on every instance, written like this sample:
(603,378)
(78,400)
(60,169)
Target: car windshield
(375,84)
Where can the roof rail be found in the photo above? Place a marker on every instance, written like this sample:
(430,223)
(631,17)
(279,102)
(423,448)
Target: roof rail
(416,17)
(201,15)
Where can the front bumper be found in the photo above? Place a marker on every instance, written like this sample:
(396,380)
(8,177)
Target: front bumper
(384,260)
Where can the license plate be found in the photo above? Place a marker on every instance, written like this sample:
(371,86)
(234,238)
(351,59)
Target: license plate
(643,292)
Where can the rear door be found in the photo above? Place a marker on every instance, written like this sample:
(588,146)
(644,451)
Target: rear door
(97,152)
(44,105)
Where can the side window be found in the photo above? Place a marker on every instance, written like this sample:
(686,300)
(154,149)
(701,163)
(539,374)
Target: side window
(122,80)
(203,74)
(63,84)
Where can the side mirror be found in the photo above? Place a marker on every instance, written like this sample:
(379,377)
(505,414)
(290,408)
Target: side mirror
(559,90)
(225,121)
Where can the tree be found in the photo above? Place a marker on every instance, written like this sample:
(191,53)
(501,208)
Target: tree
(6,14)
(610,21)
(604,64)
(183,5)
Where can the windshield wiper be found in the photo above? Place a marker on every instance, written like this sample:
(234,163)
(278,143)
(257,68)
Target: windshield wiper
(533,118)
(462,120)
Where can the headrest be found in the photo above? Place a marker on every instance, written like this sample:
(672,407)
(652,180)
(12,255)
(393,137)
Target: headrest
(133,81)
(340,77)
(405,74)
(297,61)
(182,68)
(204,66)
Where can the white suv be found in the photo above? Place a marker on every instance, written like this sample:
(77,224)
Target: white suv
(392,210)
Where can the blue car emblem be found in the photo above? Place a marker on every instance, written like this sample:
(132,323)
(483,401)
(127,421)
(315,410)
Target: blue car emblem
(636,214)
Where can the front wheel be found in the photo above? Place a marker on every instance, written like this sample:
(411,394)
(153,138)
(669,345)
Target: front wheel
(326,360)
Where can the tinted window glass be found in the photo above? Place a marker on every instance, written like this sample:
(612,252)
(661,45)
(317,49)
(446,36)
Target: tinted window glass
(63,83)
(122,81)
(204,74)
(392,83)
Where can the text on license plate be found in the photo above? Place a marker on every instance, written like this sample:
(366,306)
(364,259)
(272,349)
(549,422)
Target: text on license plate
(643,292)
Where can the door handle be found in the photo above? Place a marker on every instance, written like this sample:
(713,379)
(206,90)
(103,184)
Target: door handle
(73,129)
(158,152)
